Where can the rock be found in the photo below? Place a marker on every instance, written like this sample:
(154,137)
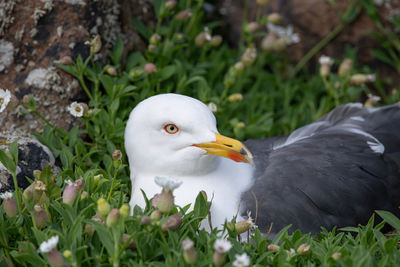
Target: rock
(32,155)
(313,20)
(33,34)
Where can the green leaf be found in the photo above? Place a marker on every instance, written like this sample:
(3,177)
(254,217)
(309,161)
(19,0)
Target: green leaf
(108,84)
(390,218)
(117,51)
(134,59)
(14,151)
(167,72)
(8,162)
(104,235)
(141,28)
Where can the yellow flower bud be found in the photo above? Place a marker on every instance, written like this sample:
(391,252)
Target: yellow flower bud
(303,249)
(273,247)
(124,210)
(103,207)
(237,97)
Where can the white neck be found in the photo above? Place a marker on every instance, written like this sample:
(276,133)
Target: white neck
(225,184)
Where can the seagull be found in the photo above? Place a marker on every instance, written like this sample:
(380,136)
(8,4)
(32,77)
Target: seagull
(334,172)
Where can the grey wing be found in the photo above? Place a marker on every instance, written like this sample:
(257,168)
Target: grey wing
(331,176)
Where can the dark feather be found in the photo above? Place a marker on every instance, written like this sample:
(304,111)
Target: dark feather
(329,176)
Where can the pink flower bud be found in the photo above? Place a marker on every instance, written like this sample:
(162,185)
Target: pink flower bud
(112,71)
(172,223)
(55,258)
(252,26)
(10,207)
(184,14)
(69,194)
(40,216)
(113,218)
(117,155)
(132,243)
(145,220)
(170,4)
(274,18)
(216,40)
(150,68)
(165,201)
(273,247)
(66,60)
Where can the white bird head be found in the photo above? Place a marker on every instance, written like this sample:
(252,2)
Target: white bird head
(176,135)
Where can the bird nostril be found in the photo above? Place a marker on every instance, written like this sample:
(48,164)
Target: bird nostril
(228,145)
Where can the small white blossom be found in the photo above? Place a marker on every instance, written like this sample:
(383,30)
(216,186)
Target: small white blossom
(76,109)
(167,183)
(371,77)
(222,245)
(325,60)
(6,195)
(241,260)
(374,98)
(187,244)
(68,182)
(285,32)
(5,97)
(212,106)
(48,245)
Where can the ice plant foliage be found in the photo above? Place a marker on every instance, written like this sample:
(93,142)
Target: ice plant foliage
(5,97)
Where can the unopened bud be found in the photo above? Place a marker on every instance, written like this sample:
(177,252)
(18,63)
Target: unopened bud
(240,125)
(172,223)
(125,211)
(202,38)
(40,216)
(38,190)
(170,4)
(155,39)
(213,107)
(336,255)
(216,40)
(345,67)
(69,194)
(165,201)
(155,215)
(67,254)
(358,79)
(112,71)
(151,48)
(10,207)
(249,56)
(326,63)
(189,252)
(303,249)
(28,192)
(184,14)
(117,155)
(145,220)
(372,100)
(103,207)
(84,195)
(150,68)
(113,217)
(235,97)
(243,226)
(274,18)
(97,178)
(132,243)
(239,66)
(55,258)
(273,247)
(135,73)
(36,174)
(252,27)
(79,184)
(280,44)
(89,229)
(95,44)
(218,258)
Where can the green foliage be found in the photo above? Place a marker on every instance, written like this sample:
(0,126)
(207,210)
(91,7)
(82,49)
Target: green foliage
(263,98)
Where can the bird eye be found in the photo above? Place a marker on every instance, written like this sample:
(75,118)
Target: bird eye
(171,128)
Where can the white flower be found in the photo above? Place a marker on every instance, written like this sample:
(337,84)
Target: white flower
(222,245)
(48,245)
(250,220)
(187,244)
(6,195)
(5,97)
(167,183)
(68,182)
(287,33)
(241,260)
(325,60)
(212,106)
(76,109)
(374,98)
(371,77)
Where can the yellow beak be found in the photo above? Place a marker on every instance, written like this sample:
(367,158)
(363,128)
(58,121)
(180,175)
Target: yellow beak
(228,148)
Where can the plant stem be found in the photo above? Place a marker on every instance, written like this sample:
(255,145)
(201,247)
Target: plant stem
(112,184)
(317,48)
(48,122)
